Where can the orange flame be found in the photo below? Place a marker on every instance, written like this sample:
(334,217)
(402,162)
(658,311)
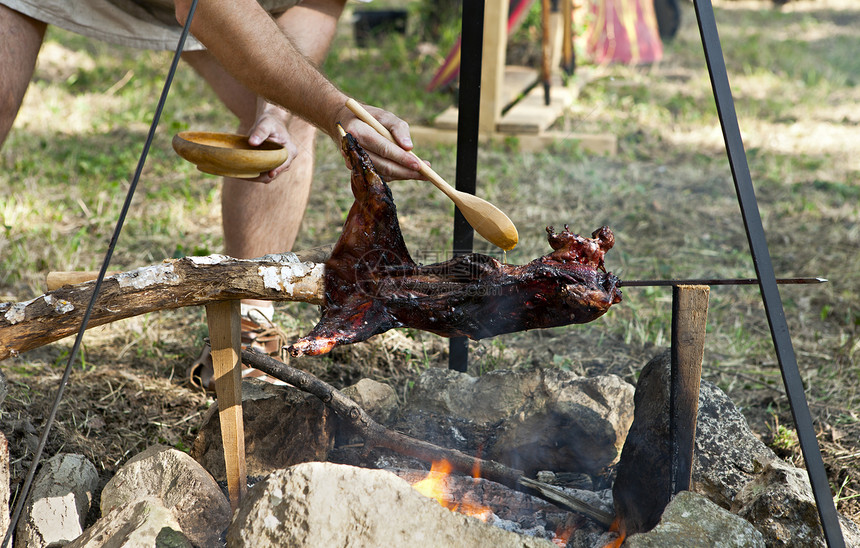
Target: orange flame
(562,535)
(434,486)
(617,527)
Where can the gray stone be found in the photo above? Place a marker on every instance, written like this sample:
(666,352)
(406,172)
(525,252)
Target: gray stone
(179,484)
(547,419)
(728,455)
(377,399)
(445,430)
(781,505)
(322,504)
(448,392)
(642,486)
(850,532)
(735,470)
(693,521)
(59,501)
(283,426)
(142,524)
(4,387)
(573,424)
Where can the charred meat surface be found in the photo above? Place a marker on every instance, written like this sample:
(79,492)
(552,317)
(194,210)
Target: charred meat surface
(373,285)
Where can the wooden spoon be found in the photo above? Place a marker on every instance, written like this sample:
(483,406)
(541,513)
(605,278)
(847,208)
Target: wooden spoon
(487,220)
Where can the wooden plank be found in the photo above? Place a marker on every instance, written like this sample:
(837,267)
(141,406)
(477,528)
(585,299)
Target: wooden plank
(516,80)
(447,119)
(532,115)
(224,337)
(689,319)
(598,144)
(519,120)
(601,144)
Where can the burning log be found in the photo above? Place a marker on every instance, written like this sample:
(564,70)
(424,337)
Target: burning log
(373,285)
(375,435)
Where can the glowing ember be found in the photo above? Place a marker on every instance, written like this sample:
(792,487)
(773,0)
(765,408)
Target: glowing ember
(434,486)
(616,527)
(562,536)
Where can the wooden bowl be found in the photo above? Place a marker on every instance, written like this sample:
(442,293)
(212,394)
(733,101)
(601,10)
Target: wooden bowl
(228,154)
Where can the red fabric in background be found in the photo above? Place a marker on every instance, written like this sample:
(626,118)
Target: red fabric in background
(622,31)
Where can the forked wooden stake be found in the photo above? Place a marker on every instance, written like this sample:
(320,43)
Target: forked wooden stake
(224,337)
(689,318)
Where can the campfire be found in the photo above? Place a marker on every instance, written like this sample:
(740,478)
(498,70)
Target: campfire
(370,285)
(441,487)
(475,497)
(435,486)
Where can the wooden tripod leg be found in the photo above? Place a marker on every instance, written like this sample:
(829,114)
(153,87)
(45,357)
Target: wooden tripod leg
(689,318)
(546,50)
(224,337)
(568,60)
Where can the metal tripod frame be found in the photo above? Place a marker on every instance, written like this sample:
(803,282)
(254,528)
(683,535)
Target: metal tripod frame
(764,269)
(467,150)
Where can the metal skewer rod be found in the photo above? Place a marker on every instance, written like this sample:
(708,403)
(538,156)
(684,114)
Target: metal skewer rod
(717,281)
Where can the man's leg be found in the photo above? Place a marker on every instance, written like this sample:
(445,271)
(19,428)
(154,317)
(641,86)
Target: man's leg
(265,218)
(20,41)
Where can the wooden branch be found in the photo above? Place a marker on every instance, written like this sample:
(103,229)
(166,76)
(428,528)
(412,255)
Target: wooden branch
(553,493)
(376,435)
(190,281)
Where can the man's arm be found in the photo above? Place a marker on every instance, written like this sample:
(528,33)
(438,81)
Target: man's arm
(310,26)
(249,44)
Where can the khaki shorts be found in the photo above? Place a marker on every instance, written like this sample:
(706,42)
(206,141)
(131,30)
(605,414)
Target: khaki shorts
(145,24)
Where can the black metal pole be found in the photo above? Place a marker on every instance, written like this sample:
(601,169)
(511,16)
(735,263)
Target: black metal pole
(767,280)
(471,48)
